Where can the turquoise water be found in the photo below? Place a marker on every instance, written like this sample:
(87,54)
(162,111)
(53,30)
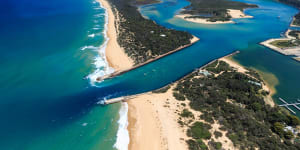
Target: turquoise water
(49,48)
(216,41)
(44,58)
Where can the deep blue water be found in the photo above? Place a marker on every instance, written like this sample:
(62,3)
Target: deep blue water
(43,103)
(46,104)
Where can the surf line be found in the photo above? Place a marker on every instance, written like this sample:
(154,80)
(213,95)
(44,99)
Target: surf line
(118,73)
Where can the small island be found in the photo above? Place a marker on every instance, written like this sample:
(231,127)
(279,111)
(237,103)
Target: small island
(214,11)
(288,45)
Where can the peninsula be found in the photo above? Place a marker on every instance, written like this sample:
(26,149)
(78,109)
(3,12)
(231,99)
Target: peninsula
(134,40)
(220,106)
(288,45)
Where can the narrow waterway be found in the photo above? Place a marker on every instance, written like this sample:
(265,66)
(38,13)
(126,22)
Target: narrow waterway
(46,103)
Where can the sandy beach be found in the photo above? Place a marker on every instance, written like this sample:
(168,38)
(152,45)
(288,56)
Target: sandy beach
(235,14)
(153,123)
(115,55)
(153,119)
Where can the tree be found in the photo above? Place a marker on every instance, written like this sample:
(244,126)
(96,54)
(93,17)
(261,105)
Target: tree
(293,120)
(278,128)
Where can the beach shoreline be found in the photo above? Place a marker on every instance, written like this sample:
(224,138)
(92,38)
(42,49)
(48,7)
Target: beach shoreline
(115,55)
(235,14)
(121,71)
(153,117)
(153,122)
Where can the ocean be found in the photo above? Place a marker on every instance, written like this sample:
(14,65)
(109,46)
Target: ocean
(49,59)
(52,52)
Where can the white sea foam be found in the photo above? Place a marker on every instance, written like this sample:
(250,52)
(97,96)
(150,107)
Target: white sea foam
(91,35)
(101,64)
(96,28)
(122,135)
(102,68)
(88,47)
(98,15)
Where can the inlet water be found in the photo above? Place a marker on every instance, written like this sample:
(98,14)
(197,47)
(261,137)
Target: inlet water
(48,48)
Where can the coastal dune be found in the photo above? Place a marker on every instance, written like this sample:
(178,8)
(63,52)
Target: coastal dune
(115,55)
(153,119)
(153,123)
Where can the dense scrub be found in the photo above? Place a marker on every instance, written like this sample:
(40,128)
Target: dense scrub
(235,101)
(215,10)
(141,38)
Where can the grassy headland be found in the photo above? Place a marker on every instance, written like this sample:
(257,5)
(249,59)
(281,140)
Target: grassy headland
(141,38)
(214,10)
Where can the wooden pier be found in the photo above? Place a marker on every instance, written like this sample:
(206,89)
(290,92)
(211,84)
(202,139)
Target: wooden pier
(286,105)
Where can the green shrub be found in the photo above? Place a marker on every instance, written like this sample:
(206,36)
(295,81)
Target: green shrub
(178,96)
(196,145)
(186,113)
(199,130)
(293,120)
(215,145)
(218,134)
